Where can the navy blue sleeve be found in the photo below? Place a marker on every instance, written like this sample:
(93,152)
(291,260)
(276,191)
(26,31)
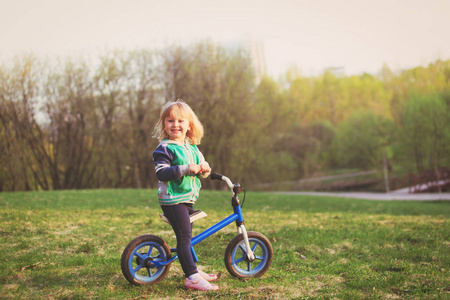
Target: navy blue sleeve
(162,158)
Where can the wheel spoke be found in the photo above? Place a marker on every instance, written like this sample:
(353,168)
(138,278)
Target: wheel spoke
(149,272)
(240,259)
(140,255)
(137,268)
(249,266)
(150,249)
(254,247)
(259,257)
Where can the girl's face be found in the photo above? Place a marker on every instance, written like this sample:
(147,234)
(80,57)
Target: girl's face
(176,127)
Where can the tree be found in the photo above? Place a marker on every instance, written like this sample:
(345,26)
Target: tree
(424,133)
(217,83)
(25,153)
(274,116)
(142,107)
(363,140)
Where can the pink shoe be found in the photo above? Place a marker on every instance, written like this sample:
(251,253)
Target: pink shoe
(199,283)
(208,277)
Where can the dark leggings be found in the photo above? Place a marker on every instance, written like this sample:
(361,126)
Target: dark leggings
(178,216)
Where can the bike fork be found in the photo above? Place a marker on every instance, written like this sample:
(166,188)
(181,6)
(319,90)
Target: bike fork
(241,230)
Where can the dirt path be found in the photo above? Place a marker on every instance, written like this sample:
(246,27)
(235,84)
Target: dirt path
(379,196)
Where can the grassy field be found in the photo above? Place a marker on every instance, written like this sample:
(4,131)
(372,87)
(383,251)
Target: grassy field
(68,244)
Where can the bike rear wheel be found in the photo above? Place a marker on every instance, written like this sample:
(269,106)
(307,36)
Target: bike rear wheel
(139,257)
(237,262)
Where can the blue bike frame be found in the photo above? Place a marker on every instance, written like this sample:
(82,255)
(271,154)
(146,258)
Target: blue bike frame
(236,216)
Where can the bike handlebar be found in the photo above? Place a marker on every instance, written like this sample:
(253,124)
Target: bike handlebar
(215,176)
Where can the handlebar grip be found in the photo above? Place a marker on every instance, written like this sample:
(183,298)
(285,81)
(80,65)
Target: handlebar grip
(215,176)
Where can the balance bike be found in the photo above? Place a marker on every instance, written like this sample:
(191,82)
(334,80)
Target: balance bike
(147,258)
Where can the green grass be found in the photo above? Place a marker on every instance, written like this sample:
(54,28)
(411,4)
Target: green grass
(68,244)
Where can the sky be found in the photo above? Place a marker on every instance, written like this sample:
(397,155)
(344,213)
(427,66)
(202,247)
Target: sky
(355,36)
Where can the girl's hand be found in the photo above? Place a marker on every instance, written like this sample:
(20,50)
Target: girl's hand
(194,169)
(205,168)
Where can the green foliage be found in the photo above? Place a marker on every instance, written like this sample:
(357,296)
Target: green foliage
(71,124)
(275,166)
(361,140)
(218,84)
(424,132)
(271,120)
(309,146)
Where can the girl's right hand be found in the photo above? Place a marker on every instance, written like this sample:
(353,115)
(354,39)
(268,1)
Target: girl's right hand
(194,169)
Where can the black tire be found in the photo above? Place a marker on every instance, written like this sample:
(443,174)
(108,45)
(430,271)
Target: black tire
(138,256)
(236,259)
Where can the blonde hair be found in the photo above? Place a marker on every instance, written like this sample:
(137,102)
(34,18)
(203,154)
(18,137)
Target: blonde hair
(181,109)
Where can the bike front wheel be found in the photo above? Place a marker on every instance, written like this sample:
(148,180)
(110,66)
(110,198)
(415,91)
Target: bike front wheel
(139,257)
(236,259)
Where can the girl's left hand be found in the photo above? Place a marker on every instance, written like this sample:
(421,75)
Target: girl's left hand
(205,170)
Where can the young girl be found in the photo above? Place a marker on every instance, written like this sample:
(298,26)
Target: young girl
(178,163)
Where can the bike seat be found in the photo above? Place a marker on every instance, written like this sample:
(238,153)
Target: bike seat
(194,216)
